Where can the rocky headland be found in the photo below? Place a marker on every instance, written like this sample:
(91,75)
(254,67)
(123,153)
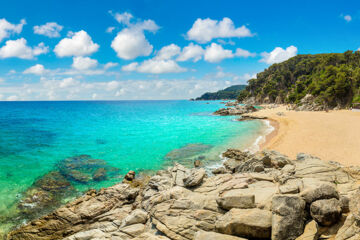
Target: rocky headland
(265,195)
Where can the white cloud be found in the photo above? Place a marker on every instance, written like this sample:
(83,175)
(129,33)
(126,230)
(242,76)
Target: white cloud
(37,69)
(192,51)
(110,29)
(2,80)
(84,63)
(130,67)
(244,53)
(168,52)
(347,18)
(80,44)
(279,55)
(204,30)
(216,53)
(50,29)
(110,65)
(159,66)
(6,28)
(18,48)
(131,43)
(154,66)
(68,82)
(123,18)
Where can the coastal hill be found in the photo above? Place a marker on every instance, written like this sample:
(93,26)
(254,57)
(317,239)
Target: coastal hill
(332,80)
(227,93)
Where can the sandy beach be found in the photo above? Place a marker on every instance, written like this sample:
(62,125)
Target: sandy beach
(332,136)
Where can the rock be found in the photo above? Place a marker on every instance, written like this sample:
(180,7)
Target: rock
(130,176)
(311,232)
(254,164)
(202,235)
(288,217)
(187,151)
(100,174)
(78,176)
(249,117)
(197,163)
(194,178)
(134,229)
(150,236)
(52,182)
(274,159)
(350,230)
(235,199)
(345,204)
(291,186)
(326,212)
(220,170)
(136,216)
(248,223)
(87,235)
(237,110)
(324,191)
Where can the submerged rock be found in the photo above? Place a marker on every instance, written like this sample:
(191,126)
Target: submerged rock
(100,174)
(187,151)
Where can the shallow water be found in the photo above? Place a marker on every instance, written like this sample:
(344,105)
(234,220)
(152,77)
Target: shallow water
(128,135)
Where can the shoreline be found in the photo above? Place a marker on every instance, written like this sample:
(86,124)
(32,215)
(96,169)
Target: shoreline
(331,136)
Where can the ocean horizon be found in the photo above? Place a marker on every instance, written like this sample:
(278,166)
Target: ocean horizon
(36,137)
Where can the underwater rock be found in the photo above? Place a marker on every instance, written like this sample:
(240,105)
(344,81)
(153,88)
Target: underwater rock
(100,174)
(78,176)
(187,151)
(46,193)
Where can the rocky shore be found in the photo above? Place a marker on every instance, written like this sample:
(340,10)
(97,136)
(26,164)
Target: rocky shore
(252,196)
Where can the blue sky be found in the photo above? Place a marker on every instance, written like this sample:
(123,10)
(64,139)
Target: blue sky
(75,50)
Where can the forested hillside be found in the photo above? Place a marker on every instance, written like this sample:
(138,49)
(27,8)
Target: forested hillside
(228,93)
(333,79)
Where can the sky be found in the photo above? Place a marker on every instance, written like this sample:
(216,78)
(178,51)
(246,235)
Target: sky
(158,49)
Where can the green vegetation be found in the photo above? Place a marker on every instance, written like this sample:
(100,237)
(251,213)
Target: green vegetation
(334,79)
(228,93)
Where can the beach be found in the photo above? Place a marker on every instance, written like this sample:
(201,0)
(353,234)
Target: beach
(331,136)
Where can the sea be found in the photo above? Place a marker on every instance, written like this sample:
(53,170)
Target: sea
(144,136)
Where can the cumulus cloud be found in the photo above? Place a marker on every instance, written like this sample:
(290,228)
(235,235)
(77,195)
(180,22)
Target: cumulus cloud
(191,52)
(37,69)
(130,67)
(110,29)
(110,65)
(154,66)
(68,82)
(50,29)
(204,30)
(131,42)
(168,52)
(279,55)
(123,18)
(347,18)
(216,53)
(19,49)
(80,44)
(7,29)
(244,53)
(84,63)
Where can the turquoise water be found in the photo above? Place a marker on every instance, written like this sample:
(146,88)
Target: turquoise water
(128,135)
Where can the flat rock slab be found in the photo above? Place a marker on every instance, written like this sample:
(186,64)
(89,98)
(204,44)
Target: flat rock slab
(248,223)
(202,235)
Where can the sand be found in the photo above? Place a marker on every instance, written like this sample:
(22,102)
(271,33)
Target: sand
(331,136)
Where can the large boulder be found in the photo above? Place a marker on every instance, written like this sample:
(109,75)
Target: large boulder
(194,178)
(248,223)
(326,212)
(288,217)
(324,191)
(236,199)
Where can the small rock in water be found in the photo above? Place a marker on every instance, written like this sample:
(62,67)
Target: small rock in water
(197,163)
(130,176)
(187,151)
